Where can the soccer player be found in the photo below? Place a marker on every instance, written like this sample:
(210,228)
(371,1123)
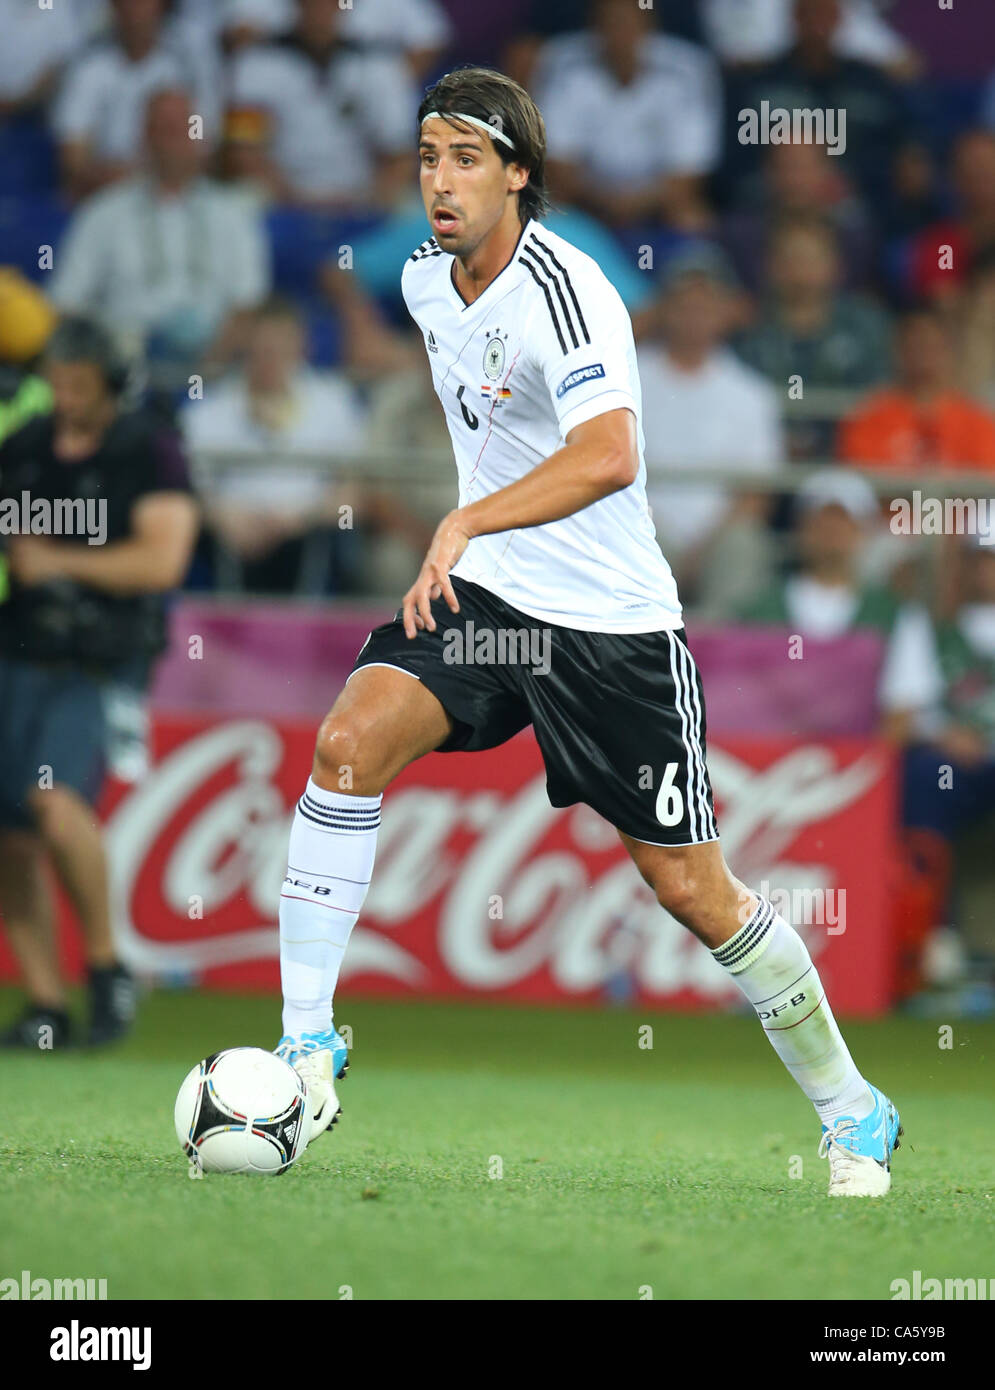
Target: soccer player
(532,357)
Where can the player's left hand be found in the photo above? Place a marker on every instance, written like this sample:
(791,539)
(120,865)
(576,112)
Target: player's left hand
(451,538)
(35,560)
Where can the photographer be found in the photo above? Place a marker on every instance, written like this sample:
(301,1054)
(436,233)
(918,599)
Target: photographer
(85,615)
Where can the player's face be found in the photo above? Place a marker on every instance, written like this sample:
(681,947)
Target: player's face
(465,186)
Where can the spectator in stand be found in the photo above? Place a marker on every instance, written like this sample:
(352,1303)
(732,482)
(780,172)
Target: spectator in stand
(958,732)
(79,630)
(942,255)
(756,31)
(814,76)
(811,334)
(963,724)
(36,44)
(99,116)
(170,258)
(274,408)
(826,595)
(703,408)
(633,119)
(286,515)
(418,30)
(341,117)
(801,181)
(922,420)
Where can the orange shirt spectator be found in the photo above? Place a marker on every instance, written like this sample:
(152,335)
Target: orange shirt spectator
(922,420)
(893,431)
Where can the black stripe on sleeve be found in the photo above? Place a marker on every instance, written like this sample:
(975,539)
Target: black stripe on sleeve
(549,301)
(570,289)
(555,282)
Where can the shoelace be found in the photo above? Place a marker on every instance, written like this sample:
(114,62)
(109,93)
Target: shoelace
(831,1138)
(843,1162)
(285,1047)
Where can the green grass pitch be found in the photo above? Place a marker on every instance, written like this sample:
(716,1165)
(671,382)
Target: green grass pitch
(621,1168)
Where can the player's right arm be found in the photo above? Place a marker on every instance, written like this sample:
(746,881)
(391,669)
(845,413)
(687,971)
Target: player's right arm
(600,457)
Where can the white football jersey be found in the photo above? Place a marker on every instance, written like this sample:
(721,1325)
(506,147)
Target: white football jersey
(547,346)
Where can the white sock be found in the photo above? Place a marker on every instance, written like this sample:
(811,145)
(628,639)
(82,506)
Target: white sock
(770,963)
(333,842)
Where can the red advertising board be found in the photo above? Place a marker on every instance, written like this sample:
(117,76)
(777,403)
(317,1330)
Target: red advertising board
(481,888)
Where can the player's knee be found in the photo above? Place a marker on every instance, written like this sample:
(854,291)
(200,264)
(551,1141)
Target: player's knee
(345,757)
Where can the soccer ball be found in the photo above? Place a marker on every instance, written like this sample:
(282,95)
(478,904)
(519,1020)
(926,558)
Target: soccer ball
(242,1110)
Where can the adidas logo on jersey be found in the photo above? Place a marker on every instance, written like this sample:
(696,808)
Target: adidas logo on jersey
(432,344)
(426,249)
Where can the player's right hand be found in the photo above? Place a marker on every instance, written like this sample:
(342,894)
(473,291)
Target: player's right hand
(451,538)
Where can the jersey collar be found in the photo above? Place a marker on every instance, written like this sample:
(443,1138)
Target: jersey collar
(502,277)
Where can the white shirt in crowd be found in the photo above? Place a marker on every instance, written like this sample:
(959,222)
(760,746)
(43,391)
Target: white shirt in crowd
(33,42)
(753,31)
(546,347)
(404,24)
(103,94)
(143,262)
(331,123)
(910,677)
(724,415)
(666,121)
(325,415)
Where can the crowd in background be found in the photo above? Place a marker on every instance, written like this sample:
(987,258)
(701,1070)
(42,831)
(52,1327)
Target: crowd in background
(228,187)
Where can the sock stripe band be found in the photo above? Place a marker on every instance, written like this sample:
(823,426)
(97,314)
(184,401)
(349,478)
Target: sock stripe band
(366,816)
(321,809)
(745,943)
(327,823)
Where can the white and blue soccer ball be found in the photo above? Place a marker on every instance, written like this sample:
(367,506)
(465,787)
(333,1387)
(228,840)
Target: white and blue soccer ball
(242,1110)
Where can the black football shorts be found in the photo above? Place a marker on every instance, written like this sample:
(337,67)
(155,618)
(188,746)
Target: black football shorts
(619,717)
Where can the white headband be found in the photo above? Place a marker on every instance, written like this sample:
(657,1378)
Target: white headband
(491,130)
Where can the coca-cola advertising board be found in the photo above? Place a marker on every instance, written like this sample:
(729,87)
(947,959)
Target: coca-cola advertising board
(481,888)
